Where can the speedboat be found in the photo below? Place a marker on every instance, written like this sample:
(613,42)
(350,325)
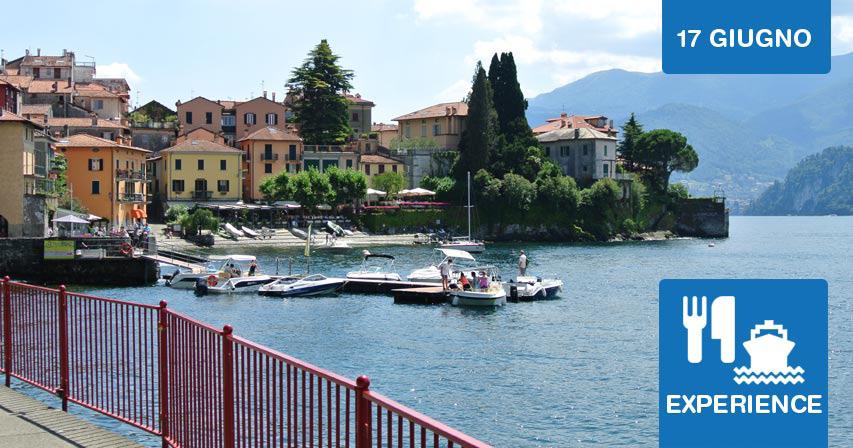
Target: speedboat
(465,243)
(528,287)
(312,285)
(335,229)
(337,245)
(371,271)
(218,284)
(491,294)
(249,232)
(233,231)
(187,279)
(301,234)
(462,262)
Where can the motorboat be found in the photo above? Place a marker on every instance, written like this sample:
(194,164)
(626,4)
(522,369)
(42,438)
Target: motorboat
(490,294)
(465,243)
(335,229)
(301,234)
(370,270)
(233,231)
(337,245)
(187,279)
(462,262)
(249,232)
(219,284)
(525,288)
(312,285)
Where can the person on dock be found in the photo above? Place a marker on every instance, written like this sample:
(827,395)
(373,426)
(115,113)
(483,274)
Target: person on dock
(463,282)
(253,267)
(444,269)
(522,264)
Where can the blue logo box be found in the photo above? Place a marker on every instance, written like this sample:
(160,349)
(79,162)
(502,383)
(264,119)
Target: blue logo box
(746,36)
(743,363)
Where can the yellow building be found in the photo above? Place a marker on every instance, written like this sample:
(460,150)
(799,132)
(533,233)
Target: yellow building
(438,126)
(23,178)
(373,165)
(107,177)
(267,152)
(198,171)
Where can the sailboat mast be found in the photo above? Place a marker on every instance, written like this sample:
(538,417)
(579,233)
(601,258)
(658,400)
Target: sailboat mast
(469,205)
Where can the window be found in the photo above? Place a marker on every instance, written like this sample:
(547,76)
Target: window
(423,128)
(200,185)
(584,169)
(367,169)
(98,104)
(35,72)
(292,153)
(177,164)
(272,119)
(208,118)
(436,129)
(355,116)
(223,186)
(547,151)
(349,164)
(585,150)
(249,118)
(268,151)
(178,186)
(228,120)
(291,168)
(96,164)
(96,187)
(381,168)
(200,164)
(188,117)
(268,168)
(394,168)
(312,163)
(223,164)
(606,169)
(57,73)
(408,130)
(605,151)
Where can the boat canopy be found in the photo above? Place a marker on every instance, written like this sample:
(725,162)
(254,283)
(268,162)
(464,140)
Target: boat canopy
(390,257)
(233,257)
(455,253)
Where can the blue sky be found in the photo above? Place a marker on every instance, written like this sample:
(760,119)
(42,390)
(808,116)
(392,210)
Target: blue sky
(405,54)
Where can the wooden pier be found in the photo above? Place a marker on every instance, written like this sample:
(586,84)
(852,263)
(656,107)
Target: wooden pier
(424,295)
(380,286)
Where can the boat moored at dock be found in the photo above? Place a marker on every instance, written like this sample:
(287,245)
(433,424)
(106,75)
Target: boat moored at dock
(527,288)
(312,285)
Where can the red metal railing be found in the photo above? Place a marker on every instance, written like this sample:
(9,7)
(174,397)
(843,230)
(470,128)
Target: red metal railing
(192,384)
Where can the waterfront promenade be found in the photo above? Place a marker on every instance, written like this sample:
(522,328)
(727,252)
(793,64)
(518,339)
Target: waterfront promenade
(26,422)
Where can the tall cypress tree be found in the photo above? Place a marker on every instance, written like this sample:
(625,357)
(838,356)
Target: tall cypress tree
(478,140)
(631,132)
(319,105)
(509,100)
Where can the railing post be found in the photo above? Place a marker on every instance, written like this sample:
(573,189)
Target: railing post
(63,348)
(228,387)
(163,383)
(7,330)
(362,413)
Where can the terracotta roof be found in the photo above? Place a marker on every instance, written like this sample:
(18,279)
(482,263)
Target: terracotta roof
(35,109)
(271,133)
(380,127)
(89,141)
(6,83)
(93,91)
(228,104)
(573,121)
(357,99)
(375,158)
(49,86)
(201,146)
(19,81)
(201,98)
(82,123)
(438,110)
(12,71)
(570,134)
(10,117)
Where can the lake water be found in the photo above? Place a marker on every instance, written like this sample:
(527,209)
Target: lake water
(579,371)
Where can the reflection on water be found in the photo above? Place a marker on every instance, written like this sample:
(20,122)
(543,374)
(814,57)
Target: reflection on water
(580,371)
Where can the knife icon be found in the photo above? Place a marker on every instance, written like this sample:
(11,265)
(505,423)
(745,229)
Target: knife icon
(723,326)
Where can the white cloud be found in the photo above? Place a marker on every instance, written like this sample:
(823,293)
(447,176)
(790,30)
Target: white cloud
(456,91)
(118,70)
(623,18)
(842,34)
(491,15)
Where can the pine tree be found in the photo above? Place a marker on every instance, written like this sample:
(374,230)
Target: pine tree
(319,105)
(631,131)
(478,140)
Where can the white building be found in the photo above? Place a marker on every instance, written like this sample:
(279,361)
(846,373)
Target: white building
(582,153)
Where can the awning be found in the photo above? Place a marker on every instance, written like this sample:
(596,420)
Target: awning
(371,191)
(138,213)
(70,219)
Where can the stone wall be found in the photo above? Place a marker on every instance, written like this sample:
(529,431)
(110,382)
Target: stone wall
(23,259)
(702,218)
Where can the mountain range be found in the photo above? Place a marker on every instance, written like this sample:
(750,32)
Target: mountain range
(749,130)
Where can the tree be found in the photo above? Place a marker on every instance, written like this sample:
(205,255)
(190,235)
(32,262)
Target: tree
(558,193)
(508,98)
(175,213)
(311,188)
(487,188)
(277,188)
(319,105)
(389,182)
(478,139)
(518,192)
(199,219)
(442,186)
(348,185)
(659,153)
(631,132)
(598,207)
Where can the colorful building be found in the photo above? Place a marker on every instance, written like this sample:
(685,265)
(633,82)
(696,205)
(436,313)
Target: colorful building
(198,171)
(373,165)
(438,127)
(598,122)
(231,119)
(360,112)
(109,178)
(267,152)
(385,133)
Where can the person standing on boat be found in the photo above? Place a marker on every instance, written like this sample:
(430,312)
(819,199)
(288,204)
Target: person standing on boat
(444,269)
(253,267)
(522,264)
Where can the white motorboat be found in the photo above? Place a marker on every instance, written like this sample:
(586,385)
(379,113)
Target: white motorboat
(218,284)
(337,245)
(312,285)
(462,262)
(373,271)
(187,279)
(335,229)
(466,243)
(233,231)
(525,288)
(249,232)
(494,296)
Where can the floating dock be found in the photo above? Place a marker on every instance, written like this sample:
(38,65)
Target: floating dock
(381,286)
(425,295)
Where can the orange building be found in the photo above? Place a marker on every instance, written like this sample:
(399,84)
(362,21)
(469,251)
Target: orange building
(267,152)
(108,178)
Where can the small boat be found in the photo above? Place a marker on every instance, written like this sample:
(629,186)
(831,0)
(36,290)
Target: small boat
(335,229)
(301,234)
(465,243)
(337,245)
(312,285)
(249,232)
(526,288)
(217,284)
(348,232)
(462,262)
(369,271)
(187,279)
(491,294)
(233,231)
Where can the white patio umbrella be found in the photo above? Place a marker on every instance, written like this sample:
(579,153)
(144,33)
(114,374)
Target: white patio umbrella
(372,192)
(70,219)
(416,192)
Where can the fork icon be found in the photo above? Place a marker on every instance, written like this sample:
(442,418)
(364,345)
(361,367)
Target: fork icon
(694,323)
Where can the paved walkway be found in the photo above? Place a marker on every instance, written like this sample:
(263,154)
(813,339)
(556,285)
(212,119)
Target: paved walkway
(27,422)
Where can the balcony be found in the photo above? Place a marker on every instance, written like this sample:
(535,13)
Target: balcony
(269,157)
(202,195)
(40,187)
(131,197)
(132,176)
(329,148)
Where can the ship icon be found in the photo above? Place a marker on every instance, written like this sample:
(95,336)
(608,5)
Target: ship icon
(768,348)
